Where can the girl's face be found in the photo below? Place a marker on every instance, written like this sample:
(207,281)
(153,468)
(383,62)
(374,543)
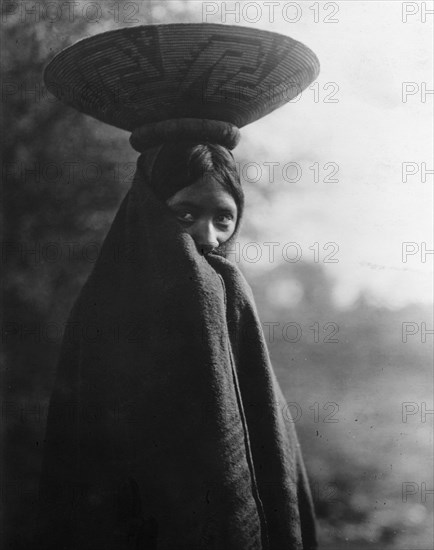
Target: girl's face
(206,211)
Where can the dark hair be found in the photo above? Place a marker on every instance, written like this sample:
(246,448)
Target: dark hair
(181,164)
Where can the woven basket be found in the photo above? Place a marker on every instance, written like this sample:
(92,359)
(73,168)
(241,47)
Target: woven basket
(134,76)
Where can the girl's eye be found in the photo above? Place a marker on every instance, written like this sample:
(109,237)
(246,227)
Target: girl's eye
(224,219)
(185,217)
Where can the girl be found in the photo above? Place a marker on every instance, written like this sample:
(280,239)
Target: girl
(167,427)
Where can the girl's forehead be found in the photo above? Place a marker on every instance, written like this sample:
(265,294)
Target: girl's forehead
(204,193)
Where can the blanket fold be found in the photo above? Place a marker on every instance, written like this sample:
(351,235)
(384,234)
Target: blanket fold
(167,427)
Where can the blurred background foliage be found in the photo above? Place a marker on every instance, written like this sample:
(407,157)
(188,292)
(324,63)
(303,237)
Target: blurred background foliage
(63,177)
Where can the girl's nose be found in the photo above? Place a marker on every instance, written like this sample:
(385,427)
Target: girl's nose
(205,237)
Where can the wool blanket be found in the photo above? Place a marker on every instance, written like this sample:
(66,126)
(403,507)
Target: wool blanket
(167,427)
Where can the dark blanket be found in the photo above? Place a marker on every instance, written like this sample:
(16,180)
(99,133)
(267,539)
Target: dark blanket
(167,427)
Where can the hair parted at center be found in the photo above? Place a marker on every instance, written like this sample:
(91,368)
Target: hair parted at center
(181,164)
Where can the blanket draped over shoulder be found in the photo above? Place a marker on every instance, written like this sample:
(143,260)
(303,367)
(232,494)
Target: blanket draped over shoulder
(167,428)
